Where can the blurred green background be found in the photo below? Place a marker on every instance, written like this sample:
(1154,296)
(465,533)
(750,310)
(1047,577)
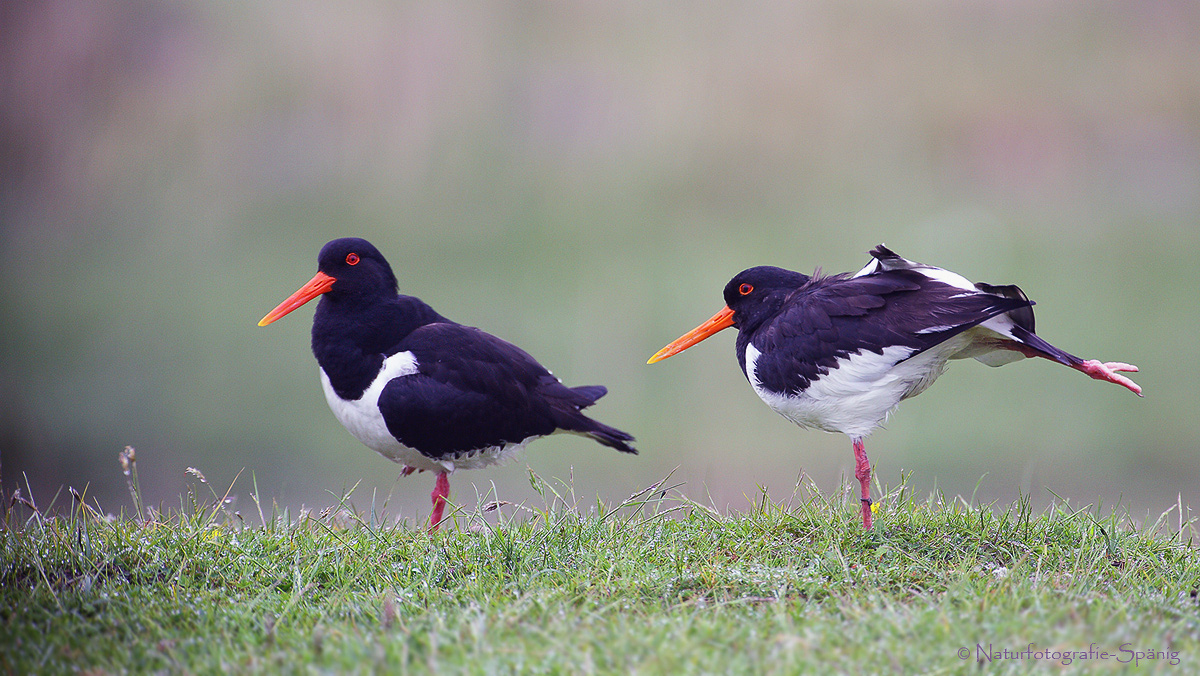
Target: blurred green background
(582,179)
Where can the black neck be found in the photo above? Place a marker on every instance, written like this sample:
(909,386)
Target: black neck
(350,339)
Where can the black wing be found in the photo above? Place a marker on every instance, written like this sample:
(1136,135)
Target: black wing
(833,317)
(473,391)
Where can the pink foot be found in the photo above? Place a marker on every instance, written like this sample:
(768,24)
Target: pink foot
(1108,371)
(441,490)
(862,472)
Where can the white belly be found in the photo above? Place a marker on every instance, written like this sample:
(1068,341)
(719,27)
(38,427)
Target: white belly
(857,396)
(362,418)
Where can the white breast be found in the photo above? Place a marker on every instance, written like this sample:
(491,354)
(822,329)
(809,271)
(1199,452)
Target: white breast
(858,394)
(362,418)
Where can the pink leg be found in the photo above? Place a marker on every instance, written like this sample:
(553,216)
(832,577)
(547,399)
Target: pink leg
(441,490)
(862,472)
(1107,371)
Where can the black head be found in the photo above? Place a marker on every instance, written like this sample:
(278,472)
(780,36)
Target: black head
(758,293)
(751,297)
(358,269)
(350,273)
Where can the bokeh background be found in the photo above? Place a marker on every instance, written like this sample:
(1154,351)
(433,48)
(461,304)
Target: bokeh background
(582,179)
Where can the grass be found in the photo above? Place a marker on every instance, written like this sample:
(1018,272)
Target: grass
(656,584)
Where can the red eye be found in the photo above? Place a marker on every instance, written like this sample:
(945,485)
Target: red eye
(745,289)
(352,259)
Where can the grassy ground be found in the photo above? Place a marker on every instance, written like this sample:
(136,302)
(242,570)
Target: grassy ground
(658,584)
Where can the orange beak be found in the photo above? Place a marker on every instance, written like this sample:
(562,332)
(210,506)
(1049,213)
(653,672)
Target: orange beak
(721,320)
(319,284)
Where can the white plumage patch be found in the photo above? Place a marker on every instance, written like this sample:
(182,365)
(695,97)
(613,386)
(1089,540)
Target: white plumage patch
(858,394)
(935,329)
(930,272)
(946,277)
(362,418)
(869,269)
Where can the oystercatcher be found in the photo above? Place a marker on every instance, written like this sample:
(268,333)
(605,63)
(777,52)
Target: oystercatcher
(838,353)
(422,390)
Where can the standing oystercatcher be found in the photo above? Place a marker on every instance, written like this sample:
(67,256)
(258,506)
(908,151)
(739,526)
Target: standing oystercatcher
(422,390)
(839,353)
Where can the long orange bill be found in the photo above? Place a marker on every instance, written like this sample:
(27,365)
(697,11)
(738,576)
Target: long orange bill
(319,284)
(721,320)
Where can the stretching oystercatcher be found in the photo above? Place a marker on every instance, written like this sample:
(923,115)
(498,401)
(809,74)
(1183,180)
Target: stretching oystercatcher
(422,390)
(839,353)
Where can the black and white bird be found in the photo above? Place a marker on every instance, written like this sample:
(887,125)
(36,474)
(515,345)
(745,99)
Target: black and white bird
(424,391)
(838,353)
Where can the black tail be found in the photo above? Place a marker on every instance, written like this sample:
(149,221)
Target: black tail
(1023,331)
(574,421)
(1022,316)
(590,392)
(570,418)
(882,253)
(609,436)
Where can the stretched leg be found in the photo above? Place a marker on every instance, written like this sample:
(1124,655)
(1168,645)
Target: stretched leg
(441,490)
(1107,371)
(862,472)
(1031,345)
